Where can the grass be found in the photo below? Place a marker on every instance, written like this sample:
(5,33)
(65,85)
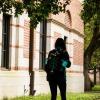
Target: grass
(84,96)
(70,96)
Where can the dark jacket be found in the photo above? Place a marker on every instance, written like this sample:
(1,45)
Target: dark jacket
(58,61)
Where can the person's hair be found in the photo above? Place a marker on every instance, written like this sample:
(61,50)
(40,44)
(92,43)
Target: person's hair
(60,43)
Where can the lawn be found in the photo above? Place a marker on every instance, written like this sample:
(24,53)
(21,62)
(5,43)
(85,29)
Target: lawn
(70,96)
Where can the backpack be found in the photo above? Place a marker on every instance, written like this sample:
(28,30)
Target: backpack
(57,61)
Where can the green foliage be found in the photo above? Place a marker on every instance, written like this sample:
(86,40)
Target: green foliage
(6,5)
(91,10)
(88,30)
(37,9)
(95,61)
(91,16)
(18,8)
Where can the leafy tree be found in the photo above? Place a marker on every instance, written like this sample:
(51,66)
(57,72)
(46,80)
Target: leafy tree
(38,10)
(88,36)
(91,14)
(95,61)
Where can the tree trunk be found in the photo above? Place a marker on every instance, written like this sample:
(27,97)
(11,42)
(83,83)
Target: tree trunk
(87,82)
(99,75)
(31,53)
(94,76)
(94,44)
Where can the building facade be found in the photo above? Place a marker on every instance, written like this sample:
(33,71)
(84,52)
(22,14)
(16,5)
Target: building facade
(14,51)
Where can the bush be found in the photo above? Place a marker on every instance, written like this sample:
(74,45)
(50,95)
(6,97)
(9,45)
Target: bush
(96,88)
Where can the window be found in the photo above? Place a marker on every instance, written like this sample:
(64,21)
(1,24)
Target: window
(43,33)
(5,41)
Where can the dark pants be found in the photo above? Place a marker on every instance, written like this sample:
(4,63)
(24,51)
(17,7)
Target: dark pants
(53,87)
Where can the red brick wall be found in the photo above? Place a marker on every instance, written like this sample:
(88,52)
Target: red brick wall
(68,20)
(56,35)
(59,17)
(26,38)
(78,53)
(74,8)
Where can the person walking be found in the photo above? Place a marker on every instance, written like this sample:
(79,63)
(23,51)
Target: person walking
(57,62)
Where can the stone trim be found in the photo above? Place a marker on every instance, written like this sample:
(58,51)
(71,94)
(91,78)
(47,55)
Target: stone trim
(69,43)
(4,69)
(16,46)
(68,71)
(58,23)
(72,71)
(19,26)
(15,68)
(77,32)
(20,68)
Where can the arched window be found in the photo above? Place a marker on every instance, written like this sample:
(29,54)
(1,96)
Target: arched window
(68,21)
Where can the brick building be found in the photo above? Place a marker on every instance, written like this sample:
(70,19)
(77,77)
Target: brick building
(14,51)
